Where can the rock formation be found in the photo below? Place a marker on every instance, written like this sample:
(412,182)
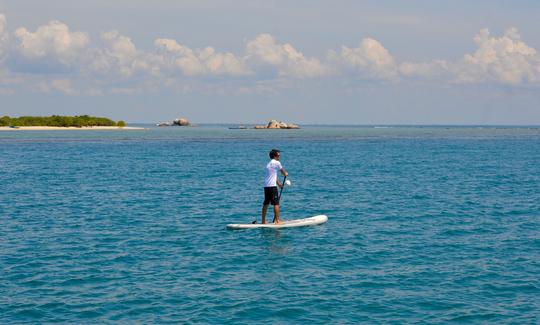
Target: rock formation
(274,124)
(181,122)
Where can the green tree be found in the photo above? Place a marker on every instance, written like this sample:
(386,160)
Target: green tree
(57,120)
(5,121)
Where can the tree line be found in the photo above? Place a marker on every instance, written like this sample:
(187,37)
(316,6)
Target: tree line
(57,120)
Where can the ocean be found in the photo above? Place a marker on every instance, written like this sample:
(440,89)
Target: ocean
(426,225)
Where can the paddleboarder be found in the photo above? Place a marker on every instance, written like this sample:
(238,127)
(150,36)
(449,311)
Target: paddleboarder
(271,183)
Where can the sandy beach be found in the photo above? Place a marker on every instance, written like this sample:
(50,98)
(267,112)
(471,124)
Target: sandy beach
(85,128)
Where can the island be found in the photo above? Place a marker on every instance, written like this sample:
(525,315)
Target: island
(59,122)
(274,124)
(181,121)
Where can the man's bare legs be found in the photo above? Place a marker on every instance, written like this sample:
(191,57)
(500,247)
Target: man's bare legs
(276,213)
(264,209)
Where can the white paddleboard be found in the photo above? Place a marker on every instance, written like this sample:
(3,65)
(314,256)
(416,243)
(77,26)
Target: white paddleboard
(312,221)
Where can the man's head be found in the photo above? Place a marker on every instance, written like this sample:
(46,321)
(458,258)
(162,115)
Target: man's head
(274,154)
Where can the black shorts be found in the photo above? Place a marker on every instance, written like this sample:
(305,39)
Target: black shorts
(271,195)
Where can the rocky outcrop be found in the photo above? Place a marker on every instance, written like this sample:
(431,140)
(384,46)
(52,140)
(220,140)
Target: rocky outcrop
(181,122)
(274,124)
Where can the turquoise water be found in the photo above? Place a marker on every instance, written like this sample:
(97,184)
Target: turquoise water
(426,224)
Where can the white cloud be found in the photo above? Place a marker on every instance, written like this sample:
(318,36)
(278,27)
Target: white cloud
(198,62)
(507,60)
(120,47)
(4,38)
(370,59)
(52,41)
(116,63)
(4,44)
(119,57)
(289,62)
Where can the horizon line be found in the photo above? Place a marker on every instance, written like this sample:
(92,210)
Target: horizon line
(360,124)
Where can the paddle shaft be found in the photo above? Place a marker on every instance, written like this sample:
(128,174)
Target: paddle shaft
(280,191)
(282,186)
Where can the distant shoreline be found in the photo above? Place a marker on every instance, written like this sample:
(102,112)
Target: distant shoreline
(72,128)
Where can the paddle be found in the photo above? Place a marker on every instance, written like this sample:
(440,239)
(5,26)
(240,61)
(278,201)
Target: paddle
(282,186)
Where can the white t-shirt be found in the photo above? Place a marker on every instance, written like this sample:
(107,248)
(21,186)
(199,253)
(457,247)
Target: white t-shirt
(272,169)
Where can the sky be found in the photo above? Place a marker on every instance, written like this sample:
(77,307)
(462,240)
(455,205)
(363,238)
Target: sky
(307,62)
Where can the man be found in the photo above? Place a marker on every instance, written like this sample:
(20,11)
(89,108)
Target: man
(271,183)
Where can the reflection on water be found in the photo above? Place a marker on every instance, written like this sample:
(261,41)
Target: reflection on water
(275,241)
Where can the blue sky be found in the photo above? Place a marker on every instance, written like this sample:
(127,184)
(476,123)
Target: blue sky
(337,62)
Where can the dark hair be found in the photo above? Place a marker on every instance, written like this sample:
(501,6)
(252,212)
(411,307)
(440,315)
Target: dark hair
(273,153)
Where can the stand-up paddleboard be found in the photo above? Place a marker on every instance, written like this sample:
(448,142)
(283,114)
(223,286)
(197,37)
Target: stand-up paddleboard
(312,221)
